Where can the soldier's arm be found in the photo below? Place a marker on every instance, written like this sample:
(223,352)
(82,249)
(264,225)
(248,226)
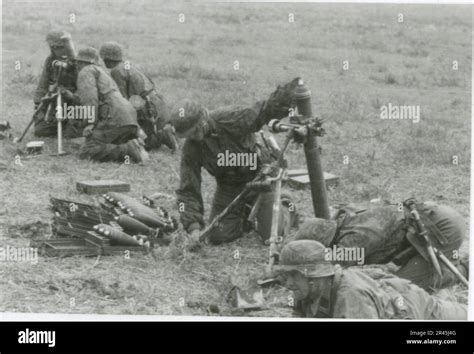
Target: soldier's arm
(43,85)
(87,92)
(189,198)
(121,80)
(138,81)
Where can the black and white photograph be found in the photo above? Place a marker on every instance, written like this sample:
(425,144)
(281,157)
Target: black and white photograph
(219,159)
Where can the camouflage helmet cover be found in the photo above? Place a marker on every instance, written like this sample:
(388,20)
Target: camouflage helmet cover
(111,51)
(186,115)
(283,98)
(307,257)
(88,55)
(56,38)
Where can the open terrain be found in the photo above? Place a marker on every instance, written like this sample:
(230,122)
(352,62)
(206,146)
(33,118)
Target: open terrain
(403,63)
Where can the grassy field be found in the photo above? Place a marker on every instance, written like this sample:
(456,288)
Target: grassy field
(408,63)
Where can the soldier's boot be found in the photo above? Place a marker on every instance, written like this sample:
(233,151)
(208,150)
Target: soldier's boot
(136,151)
(152,142)
(148,136)
(231,227)
(72,129)
(103,152)
(168,137)
(45,128)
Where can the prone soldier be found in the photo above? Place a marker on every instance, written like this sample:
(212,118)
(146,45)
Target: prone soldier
(322,289)
(59,70)
(210,135)
(388,234)
(134,85)
(114,134)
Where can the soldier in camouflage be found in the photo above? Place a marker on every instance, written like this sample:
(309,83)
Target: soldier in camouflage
(134,85)
(45,124)
(210,133)
(113,136)
(324,290)
(387,234)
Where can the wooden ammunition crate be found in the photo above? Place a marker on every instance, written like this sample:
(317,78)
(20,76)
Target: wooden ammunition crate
(68,247)
(102,186)
(299,179)
(119,250)
(97,240)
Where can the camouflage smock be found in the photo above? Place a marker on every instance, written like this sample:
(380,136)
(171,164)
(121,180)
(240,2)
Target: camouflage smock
(96,88)
(131,81)
(374,294)
(233,130)
(382,230)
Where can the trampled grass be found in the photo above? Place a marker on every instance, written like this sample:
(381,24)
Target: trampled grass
(409,63)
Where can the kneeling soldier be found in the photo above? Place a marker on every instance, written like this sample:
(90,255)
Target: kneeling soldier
(59,70)
(113,135)
(134,85)
(323,290)
(214,141)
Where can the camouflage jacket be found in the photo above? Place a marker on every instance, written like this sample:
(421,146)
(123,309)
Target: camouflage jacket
(97,89)
(233,130)
(382,231)
(131,82)
(49,75)
(379,230)
(374,294)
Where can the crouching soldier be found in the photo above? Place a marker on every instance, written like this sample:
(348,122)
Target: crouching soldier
(59,72)
(152,109)
(215,140)
(390,233)
(112,136)
(323,290)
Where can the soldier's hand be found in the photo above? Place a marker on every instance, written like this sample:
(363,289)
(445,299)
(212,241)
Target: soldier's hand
(67,94)
(193,240)
(141,136)
(87,131)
